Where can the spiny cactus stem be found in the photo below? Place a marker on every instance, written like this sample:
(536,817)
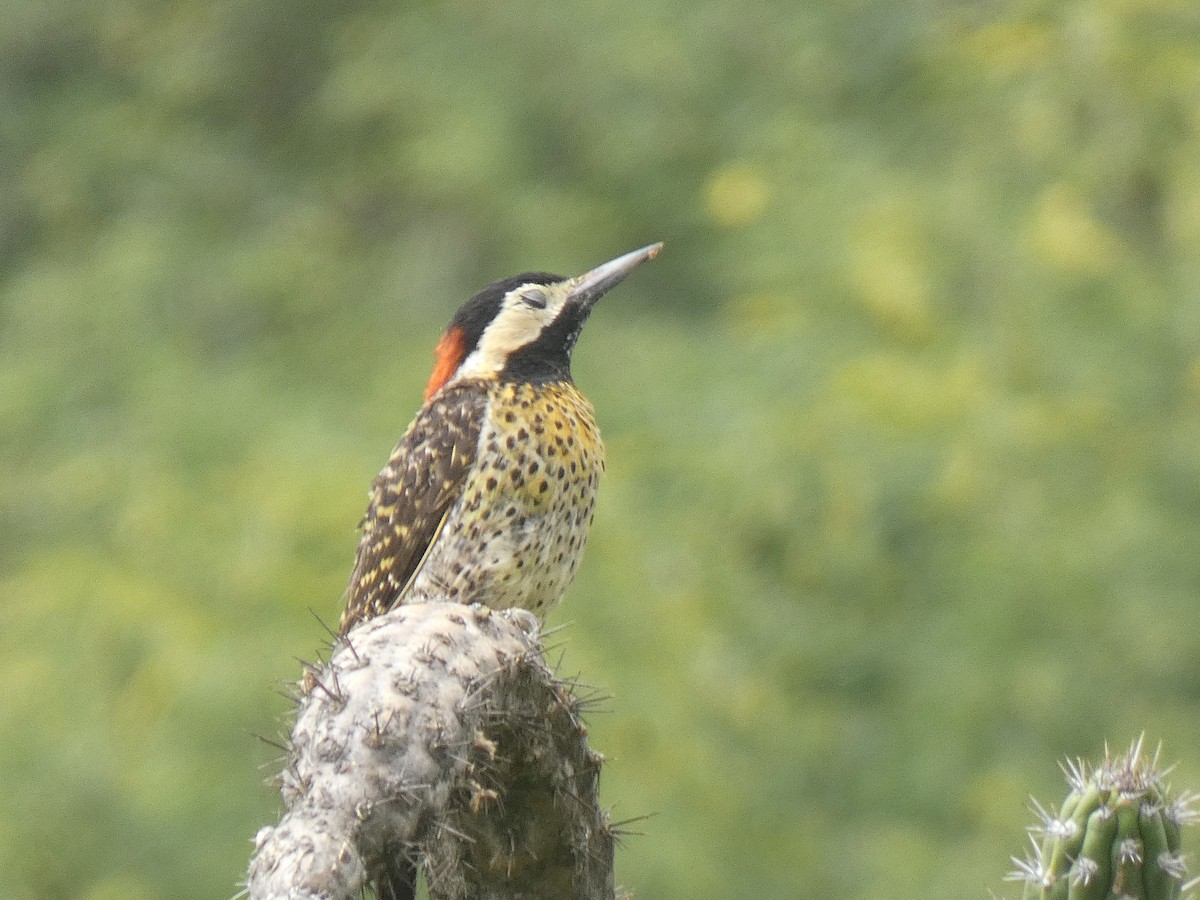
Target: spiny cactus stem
(438,733)
(1167,864)
(1115,838)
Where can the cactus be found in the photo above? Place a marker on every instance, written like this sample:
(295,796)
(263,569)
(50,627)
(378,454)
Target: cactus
(1117,835)
(436,733)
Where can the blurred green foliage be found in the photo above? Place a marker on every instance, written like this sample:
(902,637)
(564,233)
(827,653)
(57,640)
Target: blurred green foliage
(904,494)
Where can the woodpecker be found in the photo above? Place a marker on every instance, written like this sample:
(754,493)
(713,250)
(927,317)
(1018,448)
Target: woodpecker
(489,494)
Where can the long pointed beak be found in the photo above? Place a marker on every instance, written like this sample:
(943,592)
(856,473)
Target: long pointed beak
(589,287)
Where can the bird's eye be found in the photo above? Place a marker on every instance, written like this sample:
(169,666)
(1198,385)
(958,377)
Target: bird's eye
(535,297)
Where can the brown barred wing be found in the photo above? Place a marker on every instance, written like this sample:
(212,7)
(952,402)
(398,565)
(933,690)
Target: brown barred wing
(411,498)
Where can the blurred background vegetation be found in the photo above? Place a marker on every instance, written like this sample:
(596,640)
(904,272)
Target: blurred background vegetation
(904,494)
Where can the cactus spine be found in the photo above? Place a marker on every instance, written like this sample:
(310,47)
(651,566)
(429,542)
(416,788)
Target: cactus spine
(1117,835)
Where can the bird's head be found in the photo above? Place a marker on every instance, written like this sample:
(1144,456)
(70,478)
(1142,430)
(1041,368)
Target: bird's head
(525,327)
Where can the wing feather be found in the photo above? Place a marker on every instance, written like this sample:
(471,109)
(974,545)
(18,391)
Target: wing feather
(411,499)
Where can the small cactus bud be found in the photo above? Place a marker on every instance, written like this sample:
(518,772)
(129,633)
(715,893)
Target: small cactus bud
(1115,836)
